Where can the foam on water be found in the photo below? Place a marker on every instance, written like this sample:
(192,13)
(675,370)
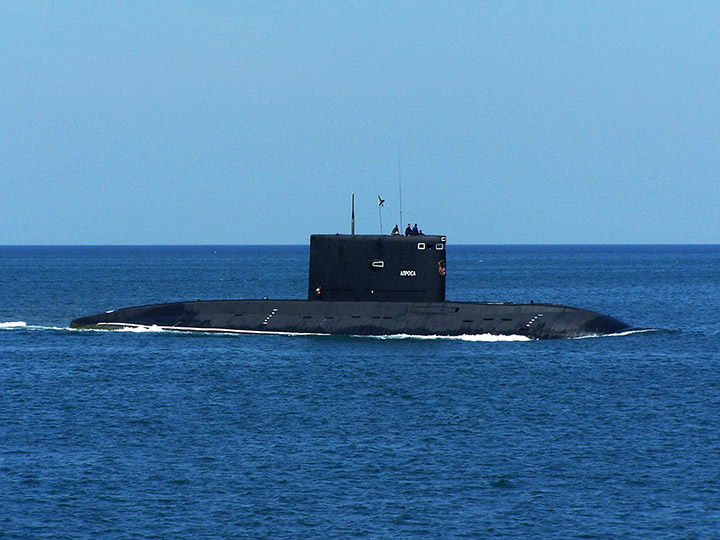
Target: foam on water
(13,324)
(139,329)
(620,334)
(22,325)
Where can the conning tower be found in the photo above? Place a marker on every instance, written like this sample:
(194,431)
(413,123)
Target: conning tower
(377,268)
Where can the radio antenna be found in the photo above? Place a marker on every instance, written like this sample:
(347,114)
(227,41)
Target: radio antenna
(352,216)
(400,181)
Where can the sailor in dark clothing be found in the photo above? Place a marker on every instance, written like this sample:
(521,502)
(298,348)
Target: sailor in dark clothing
(395,231)
(408,231)
(415,231)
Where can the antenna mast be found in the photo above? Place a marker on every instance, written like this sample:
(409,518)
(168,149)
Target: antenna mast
(400,181)
(352,216)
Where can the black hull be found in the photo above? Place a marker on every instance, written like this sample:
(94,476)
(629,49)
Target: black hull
(536,321)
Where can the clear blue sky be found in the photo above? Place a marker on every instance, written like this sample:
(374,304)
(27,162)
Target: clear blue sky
(239,123)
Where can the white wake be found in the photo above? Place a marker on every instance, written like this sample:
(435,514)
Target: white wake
(13,324)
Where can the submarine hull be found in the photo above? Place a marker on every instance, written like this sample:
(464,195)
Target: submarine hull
(535,321)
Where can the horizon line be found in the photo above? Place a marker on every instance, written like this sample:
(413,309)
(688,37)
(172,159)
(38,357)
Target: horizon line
(638,244)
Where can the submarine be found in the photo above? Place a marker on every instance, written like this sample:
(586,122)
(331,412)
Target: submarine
(367,285)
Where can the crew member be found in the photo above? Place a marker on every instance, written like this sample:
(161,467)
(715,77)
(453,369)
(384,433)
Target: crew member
(408,231)
(395,231)
(415,231)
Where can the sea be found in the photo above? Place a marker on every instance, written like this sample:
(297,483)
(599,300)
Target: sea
(157,434)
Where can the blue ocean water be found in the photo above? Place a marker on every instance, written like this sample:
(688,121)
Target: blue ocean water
(171,435)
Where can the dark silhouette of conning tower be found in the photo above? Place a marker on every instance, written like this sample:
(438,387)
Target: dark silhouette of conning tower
(374,268)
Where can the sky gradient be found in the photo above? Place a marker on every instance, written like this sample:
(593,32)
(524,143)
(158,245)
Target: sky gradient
(238,123)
